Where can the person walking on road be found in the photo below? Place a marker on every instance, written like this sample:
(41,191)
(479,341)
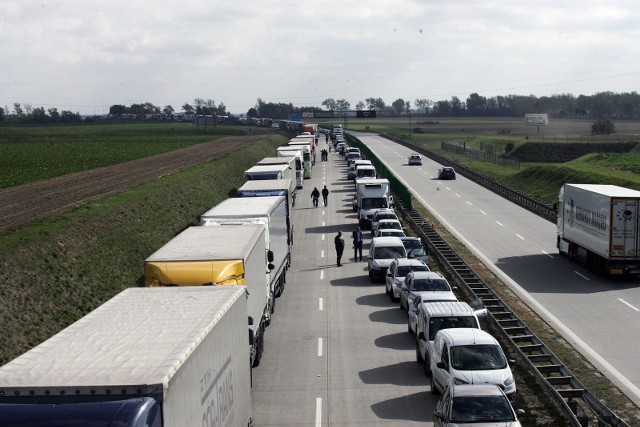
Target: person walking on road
(325,195)
(339,243)
(357,244)
(315,195)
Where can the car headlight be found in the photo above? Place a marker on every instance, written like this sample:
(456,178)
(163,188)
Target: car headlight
(508,382)
(458,381)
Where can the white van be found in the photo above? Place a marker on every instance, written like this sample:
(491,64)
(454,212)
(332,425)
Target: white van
(469,356)
(431,317)
(382,252)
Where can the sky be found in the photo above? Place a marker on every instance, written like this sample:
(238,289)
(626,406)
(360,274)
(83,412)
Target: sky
(86,55)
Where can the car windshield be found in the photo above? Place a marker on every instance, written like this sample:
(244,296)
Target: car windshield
(477,357)
(403,271)
(411,243)
(390,225)
(420,285)
(480,409)
(388,252)
(366,173)
(374,203)
(386,216)
(449,322)
(389,232)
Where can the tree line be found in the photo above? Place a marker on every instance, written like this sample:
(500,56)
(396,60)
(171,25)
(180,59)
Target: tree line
(600,106)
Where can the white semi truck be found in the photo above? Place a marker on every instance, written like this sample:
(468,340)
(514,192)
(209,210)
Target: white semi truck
(272,212)
(287,151)
(219,256)
(371,195)
(599,225)
(272,171)
(163,357)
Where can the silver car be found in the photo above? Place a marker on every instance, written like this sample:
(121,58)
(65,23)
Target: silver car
(475,405)
(430,285)
(398,269)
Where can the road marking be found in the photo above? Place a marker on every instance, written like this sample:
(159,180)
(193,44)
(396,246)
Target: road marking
(547,254)
(321,274)
(323,223)
(321,304)
(470,204)
(627,304)
(319,347)
(322,213)
(322,253)
(318,411)
(499,223)
(483,212)
(519,236)
(457,195)
(323,237)
(581,275)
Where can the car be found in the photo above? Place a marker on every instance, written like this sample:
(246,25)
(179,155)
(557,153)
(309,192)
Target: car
(430,285)
(415,159)
(414,246)
(382,232)
(382,252)
(382,214)
(478,405)
(469,356)
(398,269)
(388,223)
(446,173)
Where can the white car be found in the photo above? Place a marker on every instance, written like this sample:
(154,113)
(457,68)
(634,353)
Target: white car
(398,269)
(381,214)
(415,159)
(430,285)
(389,224)
(469,356)
(383,232)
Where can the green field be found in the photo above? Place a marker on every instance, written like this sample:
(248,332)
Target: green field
(33,153)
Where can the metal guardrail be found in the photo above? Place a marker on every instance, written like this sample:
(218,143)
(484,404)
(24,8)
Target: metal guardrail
(578,403)
(539,208)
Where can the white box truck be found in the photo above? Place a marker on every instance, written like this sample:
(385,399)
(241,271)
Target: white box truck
(219,256)
(273,171)
(163,357)
(307,155)
(287,151)
(371,195)
(272,213)
(599,224)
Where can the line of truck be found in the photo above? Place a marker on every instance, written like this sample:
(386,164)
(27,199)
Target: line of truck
(178,352)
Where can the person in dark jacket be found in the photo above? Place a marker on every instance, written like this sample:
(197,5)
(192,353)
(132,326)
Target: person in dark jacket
(325,195)
(357,243)
(339,243)
(315,195)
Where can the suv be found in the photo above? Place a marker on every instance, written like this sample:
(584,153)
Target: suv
(430,285)
(382,252)
(426,319)
(469,356)
(446,173)
(414,159)
(398,269)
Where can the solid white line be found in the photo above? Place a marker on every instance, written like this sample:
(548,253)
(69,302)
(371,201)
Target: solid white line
(319,347)
(318,411)
(321,304)
(322,253)
(627,304)
(321,274)
(520,236)
(499,223)
(583,276)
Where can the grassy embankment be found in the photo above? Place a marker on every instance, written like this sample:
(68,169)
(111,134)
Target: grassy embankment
(32,153)
(55,272)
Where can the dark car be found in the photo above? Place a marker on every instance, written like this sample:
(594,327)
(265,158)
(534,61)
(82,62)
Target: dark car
(446,173)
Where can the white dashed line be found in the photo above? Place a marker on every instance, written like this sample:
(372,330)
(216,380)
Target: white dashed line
(519,236)
(318,411)
(319,347)
(321,274)
(627,304)
(470,204)
(322,253)
(321,304)
(483,212)
(499,223)
(581,275)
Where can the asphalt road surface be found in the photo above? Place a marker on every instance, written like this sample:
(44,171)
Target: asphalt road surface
(337,352)
(599,316)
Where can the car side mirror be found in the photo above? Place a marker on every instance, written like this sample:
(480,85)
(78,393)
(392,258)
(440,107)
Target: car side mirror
(441,365)
(438,414)
(421,336)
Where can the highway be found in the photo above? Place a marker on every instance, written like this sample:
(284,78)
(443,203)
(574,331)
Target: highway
(599,316)
(337,352)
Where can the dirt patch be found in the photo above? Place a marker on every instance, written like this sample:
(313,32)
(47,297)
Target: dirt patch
(36,201)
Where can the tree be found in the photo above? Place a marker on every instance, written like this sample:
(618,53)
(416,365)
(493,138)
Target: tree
(17,109)
(603,127)
(38,115)
(398,105)
(375,103)
(360,106)
(188,108)
(476,105)
(69,117)
(221,110)
(330,103)
(342,105)
(117,109)
(422,104)
(168,110)
(252,112)
(54,115)
(457,108)
(2,114)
